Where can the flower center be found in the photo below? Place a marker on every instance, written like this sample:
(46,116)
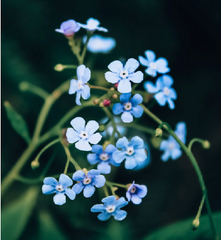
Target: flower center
(133,189)
(124,74)
(127,106)
(166,91)
(171,145)
(103,156)
(80,84)
(83,135)
(110,208)
(153,65)
(130,150)
(59,188)
(87,180)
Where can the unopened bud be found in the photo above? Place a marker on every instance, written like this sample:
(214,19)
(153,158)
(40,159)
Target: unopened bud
(64,139)
(112,89)
(35,164)
(114,96)
(23,86)
(102,128)
(158,132)
(195,224)
(101,105)
(107,102)
(96,101)
(59,67)
(206,144)
(156,142)
(85,170)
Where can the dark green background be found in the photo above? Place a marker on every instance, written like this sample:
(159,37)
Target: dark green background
(187,33)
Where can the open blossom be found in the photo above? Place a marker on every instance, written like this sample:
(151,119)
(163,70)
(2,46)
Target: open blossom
(124,75)
(163,90)
(129,107)
(87,182)
(111,207)
(103,157)
(51,185)
(154,66)
(68,28)
(100,44)
(132,151)
(170,147)
(92,25)
(136,192)
(83,135)
(79,86)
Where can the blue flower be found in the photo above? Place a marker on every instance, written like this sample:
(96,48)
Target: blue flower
(51,185)
(99,44)
(80,86)
(141,165)
(111,207)
(68,28)
(87,182)
(163,90)
(135,192)
(92,25)
(132,151)
(170,147)
(83,135)
(124,74)
(129,107)
(159,65)
(103,157)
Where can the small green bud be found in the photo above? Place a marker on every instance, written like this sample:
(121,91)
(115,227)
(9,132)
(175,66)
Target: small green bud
(195,224)
(96,101)
(35,164)
(59,67)
(158,132)
(206,144)
(102,128)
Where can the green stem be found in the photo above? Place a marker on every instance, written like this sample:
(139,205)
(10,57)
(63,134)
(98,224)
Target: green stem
(66,166)
(28,87)
(81,61)
(195,140)
(69,157)
(105,191)
(99,87)
(167,127)
(111,184)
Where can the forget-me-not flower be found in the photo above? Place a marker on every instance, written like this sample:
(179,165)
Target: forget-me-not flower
(79,86)
(87,182)
(92,25)
(124,74)
(51,185)
(83,135)
(170,147)
(135,192)
(100,44)
(163,90)
(111,207)
(103,157)
(68,28)
(132,151)
(129,107)
(160,65)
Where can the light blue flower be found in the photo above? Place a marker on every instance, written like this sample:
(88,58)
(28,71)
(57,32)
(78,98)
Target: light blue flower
(68,28)
(92,25)
(132,151)
(79,86)
(111,207)
(83,135)
(103,157)
(163,90)
(51,185)
(135,192)
(99,44)
(87,182)
(124,74)
(141,165)
(153,66)
(170,147)
(129,107)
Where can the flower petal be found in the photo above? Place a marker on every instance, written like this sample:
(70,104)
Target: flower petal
(128,196)
(172,94)
(164,145)
(131,65)
(104,216)
(136,99)
(48,189)
(91,127)
(110,148)
(110,200)
(125,97)
(171,103)
(141,190)
(98,208)
(150,55)
(78,97)
(136,77)
(150,87)
(73,86)
(137,142)
(143,61)
(135,199)
(93,173)
(119,156)
(92,158)
(137,111)
(162,65)
(99,181)
(86,92)
(121,202)
(104,167)
(161,99)
(151,72)
(78,187)
(72,136)
(87,75)
(78,176)
(65,181)
(50,181)
(124,86)
(70,193)
(83,145)
(166,155)
(112,77)
(140,155)
(78,124)
(80,71)
(122,143)
(98,149)
(95,138)
(118,108)
(130,163)
(88,191)
(119,215)
(167,80)
(59,199)
(116,66)
(176,153)
(127,117)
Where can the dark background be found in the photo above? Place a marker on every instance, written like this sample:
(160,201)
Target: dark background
(187,33)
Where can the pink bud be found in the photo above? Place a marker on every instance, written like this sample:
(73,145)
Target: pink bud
(107,102)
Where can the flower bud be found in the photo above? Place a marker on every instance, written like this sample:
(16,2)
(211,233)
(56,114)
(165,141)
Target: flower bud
(101,105)
(116,85)
(158,132)
(35,164)
(59,67)
(102,128)
(206,144)
(96,101)
(107,102)
(64,139)
(112,89)
(195,224)
(114,96)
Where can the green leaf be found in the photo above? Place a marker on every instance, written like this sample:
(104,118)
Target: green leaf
(182,230)
(16,215)
(17,122)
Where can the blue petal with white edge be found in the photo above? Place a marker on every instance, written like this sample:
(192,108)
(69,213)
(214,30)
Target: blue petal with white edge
(137,111)
(136,99)
(110,148)
(137,142)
